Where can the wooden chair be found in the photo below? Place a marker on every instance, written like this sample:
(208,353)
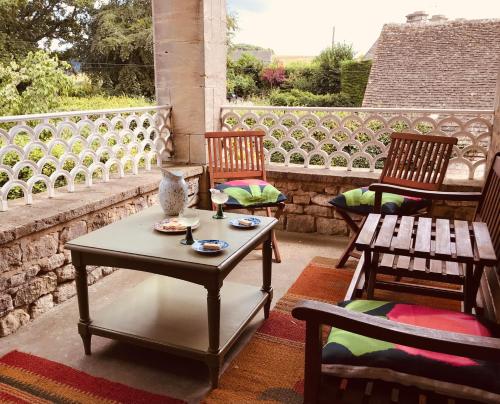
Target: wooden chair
(414,161)
(240,155)
(317,314)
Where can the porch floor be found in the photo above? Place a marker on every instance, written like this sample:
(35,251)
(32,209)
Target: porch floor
(54,336)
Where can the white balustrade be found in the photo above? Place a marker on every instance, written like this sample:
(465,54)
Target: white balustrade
(359,137)
(45,151)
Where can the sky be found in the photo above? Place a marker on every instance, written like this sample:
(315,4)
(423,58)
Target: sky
(304,27)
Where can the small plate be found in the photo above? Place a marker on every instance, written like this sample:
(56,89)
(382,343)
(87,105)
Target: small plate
(198,246)
(162,226)
(255,222)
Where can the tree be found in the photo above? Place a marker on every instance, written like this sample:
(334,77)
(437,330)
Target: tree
(327,64)
(118,48)
(33,84)
(232,28)
(27,25)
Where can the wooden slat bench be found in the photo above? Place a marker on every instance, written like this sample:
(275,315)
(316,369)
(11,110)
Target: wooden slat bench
(439,250)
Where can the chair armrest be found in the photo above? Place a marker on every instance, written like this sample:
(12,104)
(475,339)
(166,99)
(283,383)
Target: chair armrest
(421,193)
(485,348)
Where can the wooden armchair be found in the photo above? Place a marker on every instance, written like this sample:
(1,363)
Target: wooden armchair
(240,156)
(413,161)
(317,314)
(435,340)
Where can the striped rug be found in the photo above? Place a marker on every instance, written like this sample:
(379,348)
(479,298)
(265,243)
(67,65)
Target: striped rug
(270,368)
(27,378)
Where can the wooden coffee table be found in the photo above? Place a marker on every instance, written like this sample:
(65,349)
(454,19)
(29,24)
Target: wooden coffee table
(171,311)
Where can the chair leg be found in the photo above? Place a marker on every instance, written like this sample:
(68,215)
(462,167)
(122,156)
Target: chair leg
(348,252)
(277,215)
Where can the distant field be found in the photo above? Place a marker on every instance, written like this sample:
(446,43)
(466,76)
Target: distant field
(294,59)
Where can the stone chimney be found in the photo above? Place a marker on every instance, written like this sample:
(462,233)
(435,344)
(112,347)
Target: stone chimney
(436,18)
(417,17)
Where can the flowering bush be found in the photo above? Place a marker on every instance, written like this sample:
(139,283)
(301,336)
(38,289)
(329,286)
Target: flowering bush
(274,76)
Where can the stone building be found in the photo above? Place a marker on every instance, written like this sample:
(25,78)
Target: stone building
(435,63)
(264,55)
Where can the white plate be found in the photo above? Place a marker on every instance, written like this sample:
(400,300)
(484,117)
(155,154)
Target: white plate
(182,229)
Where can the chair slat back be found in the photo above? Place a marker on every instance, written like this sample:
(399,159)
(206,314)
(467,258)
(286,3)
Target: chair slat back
(417,161)
(488,209)
(235,155)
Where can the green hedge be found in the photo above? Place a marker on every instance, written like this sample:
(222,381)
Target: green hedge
(298,98)
(354,78)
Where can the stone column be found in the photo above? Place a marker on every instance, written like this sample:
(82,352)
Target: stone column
(190,70)
(495,131)
(495,136)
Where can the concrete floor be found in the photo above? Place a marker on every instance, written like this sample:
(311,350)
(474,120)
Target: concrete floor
(54,336)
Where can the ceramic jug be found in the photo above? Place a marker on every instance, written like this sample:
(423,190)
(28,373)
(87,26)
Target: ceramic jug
(173,192)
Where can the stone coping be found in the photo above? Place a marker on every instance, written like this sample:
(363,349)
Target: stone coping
(21,220)
(356,178)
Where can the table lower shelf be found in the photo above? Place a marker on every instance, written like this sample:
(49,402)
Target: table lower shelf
(171,315)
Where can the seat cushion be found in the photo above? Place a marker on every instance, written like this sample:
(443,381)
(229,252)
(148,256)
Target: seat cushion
(351,355)
(250,192)
(362,201)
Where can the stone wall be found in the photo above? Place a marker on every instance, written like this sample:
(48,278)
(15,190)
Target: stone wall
(36,271)
(309,192)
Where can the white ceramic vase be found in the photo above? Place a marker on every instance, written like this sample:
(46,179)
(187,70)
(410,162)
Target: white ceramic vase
(173,192)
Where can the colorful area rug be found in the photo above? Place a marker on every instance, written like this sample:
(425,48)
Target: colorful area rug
(29,379)
(270,368)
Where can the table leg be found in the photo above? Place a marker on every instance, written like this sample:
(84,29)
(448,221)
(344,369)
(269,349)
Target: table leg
(83,302)
(213,307)
(267,263)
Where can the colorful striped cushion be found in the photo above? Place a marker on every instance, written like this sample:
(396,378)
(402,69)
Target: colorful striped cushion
(251,192)
(348,354)
(362,201)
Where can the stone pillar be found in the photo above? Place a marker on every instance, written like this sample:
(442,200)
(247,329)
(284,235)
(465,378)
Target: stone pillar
(495,135)
(190,70)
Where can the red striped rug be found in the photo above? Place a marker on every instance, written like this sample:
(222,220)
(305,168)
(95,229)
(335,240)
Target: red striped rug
(27,378)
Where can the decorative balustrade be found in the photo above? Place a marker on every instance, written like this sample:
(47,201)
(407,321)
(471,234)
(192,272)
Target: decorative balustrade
(359,137)
(46,151)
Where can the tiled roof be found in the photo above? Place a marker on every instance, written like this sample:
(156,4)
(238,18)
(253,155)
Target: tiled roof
(371,52)
(452,64)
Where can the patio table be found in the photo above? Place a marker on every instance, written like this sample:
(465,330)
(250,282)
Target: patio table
(171,311)
(438,250)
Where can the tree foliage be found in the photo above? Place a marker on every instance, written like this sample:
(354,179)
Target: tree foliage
(27,25)
(244,76)
(232,28)
(327,63)
(33,84)
(118,48)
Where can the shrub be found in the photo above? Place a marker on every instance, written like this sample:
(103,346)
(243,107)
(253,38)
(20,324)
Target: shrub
(100,102)
(273,76)
(300,76)
(247,65)
(298,98)
(242,85)
(354,78)
(82,86)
